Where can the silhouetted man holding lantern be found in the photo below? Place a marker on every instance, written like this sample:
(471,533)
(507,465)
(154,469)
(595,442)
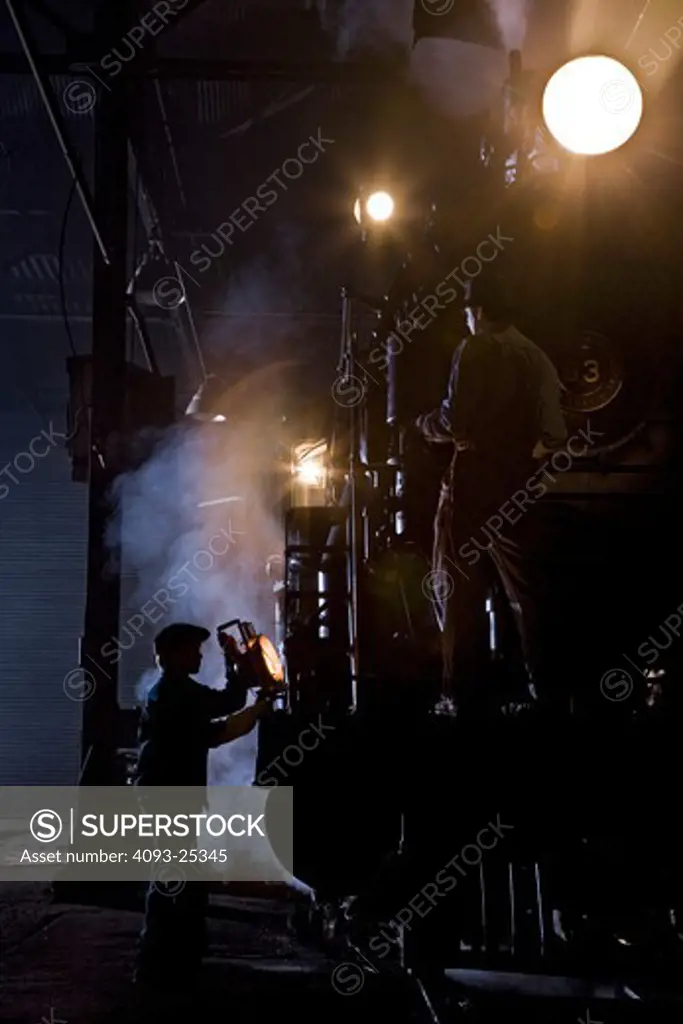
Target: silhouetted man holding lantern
(181,721)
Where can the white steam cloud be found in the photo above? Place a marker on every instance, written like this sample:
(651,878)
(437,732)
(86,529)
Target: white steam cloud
(196,558)
(368,24)
(462,79)
(512,18)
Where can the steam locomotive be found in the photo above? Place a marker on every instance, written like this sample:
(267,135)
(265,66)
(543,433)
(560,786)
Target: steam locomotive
(392,792)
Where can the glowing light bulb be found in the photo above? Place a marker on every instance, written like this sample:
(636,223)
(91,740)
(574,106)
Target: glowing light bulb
(593,105)
(380,206)
(311,472)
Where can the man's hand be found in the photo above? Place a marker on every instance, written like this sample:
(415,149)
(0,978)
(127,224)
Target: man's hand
(229,645)
(239,724)
(267,694)
(262,705)
(541,451)
(429,438)
(416,431)
(232,655)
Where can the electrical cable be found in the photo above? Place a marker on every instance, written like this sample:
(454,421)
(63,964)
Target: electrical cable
(60,267)
(638,23)
(72,415)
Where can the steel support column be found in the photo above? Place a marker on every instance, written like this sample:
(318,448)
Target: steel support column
(100,711)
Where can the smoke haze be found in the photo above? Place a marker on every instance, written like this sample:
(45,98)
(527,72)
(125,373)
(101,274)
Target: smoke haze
(462,79)
(205,563)
(512,18)
(369,24)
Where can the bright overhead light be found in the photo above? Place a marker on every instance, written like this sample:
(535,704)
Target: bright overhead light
(377,206)
(380,206)
(593,105)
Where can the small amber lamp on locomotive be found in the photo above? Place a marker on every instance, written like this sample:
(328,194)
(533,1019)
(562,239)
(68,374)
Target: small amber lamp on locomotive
(309,474)
(375,207)
(253,655)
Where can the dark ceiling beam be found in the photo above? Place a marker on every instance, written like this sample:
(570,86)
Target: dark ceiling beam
(42,8)
(183,14)
(196,69)
(54,113)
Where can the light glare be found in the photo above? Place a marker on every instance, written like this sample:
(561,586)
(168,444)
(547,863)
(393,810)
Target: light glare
(271,660)
(380,206)
(309,464)
(593,105)
(311,471)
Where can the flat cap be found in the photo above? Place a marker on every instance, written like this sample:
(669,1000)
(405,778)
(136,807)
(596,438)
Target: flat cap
(179,634)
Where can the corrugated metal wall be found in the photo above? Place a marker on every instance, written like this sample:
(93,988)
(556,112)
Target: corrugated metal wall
(42,564)
(43,515)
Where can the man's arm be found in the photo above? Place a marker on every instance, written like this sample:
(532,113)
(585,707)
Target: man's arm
(551,416)
(238,724)
(451,421)
(219,703)
(552,426)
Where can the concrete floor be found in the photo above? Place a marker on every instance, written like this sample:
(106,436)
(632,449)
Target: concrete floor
(63,963)
(73,964)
